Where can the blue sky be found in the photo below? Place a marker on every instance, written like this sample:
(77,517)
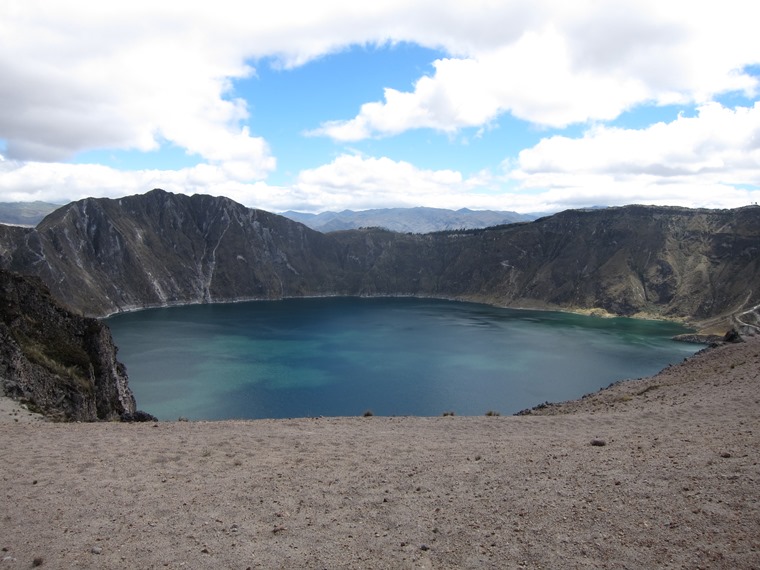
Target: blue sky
(514,105)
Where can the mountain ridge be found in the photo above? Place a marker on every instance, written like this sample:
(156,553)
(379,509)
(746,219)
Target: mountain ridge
(101,256)
(416,220)
(25,213)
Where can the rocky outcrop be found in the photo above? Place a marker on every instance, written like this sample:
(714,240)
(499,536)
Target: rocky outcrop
(60,364)
(101,256)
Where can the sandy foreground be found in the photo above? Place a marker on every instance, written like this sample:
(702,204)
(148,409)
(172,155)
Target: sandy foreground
(676,485)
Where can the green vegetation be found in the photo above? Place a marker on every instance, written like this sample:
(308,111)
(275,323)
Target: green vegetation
(59,356)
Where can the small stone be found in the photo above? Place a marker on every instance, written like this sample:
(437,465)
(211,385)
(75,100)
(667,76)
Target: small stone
(725,455)
(596,442)
(96,550)
(424,547)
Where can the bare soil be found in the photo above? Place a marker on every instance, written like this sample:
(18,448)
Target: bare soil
(655,473)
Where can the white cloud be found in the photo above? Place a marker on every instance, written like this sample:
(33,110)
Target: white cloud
(121,77)
(348,182)
(716,144)
(356,182)
(711,159)
(60,183)
(79,76)
(532,79)
(580,62)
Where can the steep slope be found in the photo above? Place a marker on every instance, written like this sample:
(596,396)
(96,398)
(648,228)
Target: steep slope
(63,365)
(671,262)
(100,256)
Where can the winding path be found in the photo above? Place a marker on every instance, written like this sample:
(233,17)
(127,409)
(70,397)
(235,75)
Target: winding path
(756,315)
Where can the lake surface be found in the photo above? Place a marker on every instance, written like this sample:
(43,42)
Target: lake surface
(393,356)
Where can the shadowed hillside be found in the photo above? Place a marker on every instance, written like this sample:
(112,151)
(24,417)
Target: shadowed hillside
(101,256)
(672,262)
(63,365)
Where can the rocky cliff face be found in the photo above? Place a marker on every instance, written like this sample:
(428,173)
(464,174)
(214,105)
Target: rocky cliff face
(671,262)
(101,256)
(63,365)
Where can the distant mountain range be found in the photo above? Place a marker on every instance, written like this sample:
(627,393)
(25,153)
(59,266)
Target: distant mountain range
(101,256)
(25,213)
(408,220)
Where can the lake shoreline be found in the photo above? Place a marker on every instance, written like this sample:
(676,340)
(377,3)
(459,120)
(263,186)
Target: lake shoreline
(482,300)
(393,356)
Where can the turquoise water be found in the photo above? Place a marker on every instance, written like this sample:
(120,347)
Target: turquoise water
(343,356)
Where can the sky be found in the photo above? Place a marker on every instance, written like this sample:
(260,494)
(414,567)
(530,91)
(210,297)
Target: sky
(520,105)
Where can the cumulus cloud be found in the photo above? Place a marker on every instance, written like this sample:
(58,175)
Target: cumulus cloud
(138,75)
(128,75)
(356,182)
(349,181)
(60,183)
(122,76)
(711,159)
(717,144)
(577,63)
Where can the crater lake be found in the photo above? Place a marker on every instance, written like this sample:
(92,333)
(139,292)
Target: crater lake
(391,356)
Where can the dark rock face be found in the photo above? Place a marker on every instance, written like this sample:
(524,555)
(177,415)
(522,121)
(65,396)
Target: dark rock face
(672,262)
(101,256)
(62,364)
(732,336)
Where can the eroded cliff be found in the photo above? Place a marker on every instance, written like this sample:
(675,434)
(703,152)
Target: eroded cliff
(101,256)
(61,364)
(665,262)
